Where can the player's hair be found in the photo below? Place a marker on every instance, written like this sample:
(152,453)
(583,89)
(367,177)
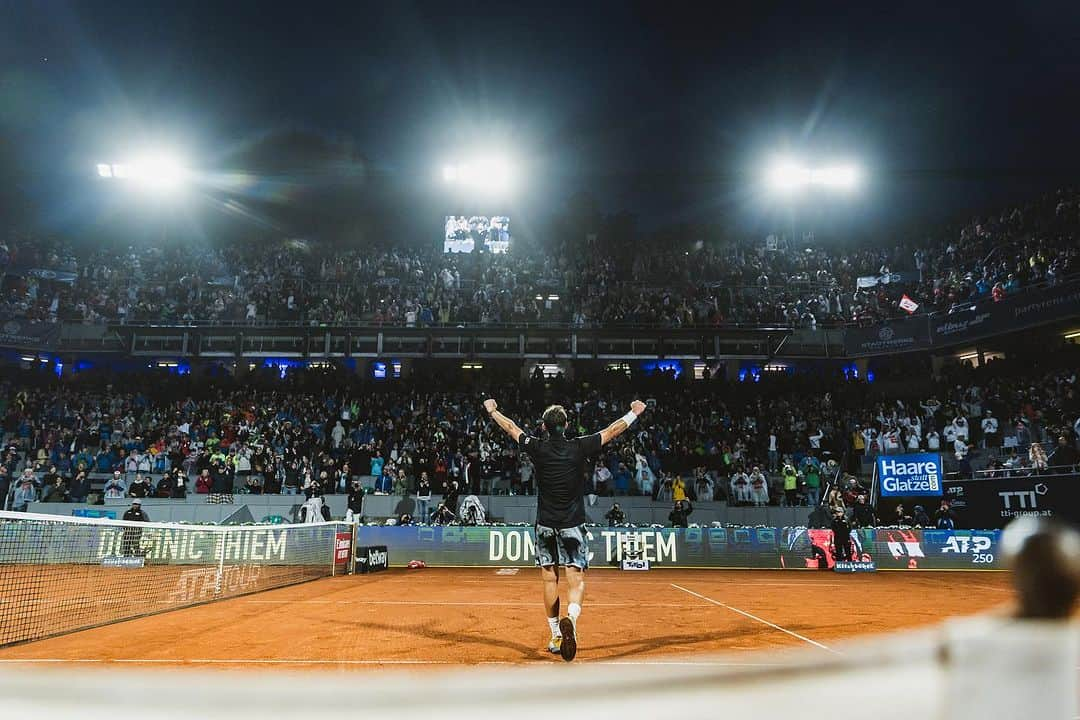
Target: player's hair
(555,419)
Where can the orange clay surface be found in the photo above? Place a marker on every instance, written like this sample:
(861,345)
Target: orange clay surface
(450,616)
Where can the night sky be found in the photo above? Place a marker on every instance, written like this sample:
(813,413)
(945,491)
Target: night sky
(665,110)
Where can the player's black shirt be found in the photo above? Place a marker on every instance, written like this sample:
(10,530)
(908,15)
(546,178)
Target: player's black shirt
(560,477)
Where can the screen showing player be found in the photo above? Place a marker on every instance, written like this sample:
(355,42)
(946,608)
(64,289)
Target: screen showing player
(477,233)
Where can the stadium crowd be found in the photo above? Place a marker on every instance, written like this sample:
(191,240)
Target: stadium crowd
(780,440)
(584,284)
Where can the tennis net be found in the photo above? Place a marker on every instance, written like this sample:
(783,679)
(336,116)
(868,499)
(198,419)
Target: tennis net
(61,574)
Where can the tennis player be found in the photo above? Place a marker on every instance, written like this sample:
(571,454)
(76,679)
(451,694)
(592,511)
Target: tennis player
(560,511)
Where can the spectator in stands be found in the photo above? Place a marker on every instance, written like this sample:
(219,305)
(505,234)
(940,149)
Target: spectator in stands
(679,513)
(678,489)
(944,518)
(423,496)
(1037,457)
(601,476)
(900,516)
(773,451)
(80,487)
(622,480)
(1064,455)
(141,487)
(703,487)
(115,487)
(862,515)
(812,474)
(49,482)
(933,441)
(25,494)
(759,488)
(355,504)
(5,485)
(991,438)
(920,518)
(527,470)
(203,482)
(615,516)
(791,486)
(643,475)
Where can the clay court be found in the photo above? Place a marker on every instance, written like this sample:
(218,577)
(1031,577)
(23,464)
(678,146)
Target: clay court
(439,618)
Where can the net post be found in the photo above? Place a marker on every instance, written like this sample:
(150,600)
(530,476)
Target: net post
(353,530)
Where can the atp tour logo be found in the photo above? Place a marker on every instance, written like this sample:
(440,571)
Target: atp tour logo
(886,334)
(962,545)
(905,475)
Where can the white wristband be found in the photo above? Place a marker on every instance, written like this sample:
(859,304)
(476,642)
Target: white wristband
(629,418)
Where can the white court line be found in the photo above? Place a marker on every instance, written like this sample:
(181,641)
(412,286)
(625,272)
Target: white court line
(815,643)
(467,603)
(392,661)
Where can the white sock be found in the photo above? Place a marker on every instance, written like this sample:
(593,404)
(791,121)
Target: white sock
(553,623)
(572,612)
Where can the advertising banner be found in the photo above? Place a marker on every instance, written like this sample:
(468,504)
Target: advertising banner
(372,558)
(1015,312)
(917,474)
(342,547)
(992,504)
(731,547)
(23,333)
(893,337)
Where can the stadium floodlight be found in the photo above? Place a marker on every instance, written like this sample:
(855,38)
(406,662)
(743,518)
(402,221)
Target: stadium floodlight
(842,177)
(158,172)
(788,176)
(491,173)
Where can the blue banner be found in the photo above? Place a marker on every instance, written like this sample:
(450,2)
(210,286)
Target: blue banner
(918,474)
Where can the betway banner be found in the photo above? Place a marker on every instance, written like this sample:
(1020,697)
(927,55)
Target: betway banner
(914,475)
(1015,312)
(994,503)
(750,547)
(980,319)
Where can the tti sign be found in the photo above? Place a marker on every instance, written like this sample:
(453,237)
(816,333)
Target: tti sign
(1013,502)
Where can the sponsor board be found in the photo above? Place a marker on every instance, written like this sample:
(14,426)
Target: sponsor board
(635,564)
(372,558)
(991,504)
(893,337)
(977,547)
(342,547)
(854,566)
(123,562)
(1015,312)
(917,474)
(731,547)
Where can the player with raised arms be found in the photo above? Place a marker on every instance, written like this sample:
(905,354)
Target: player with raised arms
(560,509)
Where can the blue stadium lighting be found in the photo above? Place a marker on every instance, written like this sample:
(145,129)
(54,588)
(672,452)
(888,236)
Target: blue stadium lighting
(656,366)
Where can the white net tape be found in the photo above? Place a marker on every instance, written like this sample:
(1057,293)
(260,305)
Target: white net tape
(60,574)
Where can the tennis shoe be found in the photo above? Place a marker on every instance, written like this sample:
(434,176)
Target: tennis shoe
(568,647)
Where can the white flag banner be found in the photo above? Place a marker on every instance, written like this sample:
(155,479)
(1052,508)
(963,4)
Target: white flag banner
(908,304)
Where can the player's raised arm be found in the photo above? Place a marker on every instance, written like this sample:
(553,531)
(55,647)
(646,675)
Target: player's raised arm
(620,426)
(509,426)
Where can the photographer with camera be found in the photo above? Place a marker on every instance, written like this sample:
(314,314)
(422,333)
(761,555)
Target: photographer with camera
(615,516)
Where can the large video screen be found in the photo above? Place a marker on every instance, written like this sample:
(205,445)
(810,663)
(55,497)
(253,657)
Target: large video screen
(477,233)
